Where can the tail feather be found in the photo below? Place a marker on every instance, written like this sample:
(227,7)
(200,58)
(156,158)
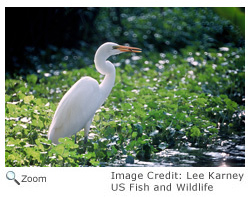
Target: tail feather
(52,136)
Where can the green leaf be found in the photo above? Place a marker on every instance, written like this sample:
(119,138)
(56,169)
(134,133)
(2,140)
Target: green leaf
(95,146)
(31,152)
(231,105)
(59,149)
(32,79)
(94,162)
(28,99)
(201,101)
(134,134)
(90,155)
(195,132)
(114,150)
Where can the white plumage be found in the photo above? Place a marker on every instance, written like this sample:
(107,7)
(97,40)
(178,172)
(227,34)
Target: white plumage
(78,106)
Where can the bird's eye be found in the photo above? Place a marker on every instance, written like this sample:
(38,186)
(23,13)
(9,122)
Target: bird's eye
(115,47)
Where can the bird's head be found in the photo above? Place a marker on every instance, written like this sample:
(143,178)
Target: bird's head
(105,51)
(109,48)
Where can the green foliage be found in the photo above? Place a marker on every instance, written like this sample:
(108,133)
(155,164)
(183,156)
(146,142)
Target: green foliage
(235,14)
(195,132)
(160,100)
(31,79)
(166,29)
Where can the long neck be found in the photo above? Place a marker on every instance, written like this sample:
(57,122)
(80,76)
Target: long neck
(108,83)
(106,68)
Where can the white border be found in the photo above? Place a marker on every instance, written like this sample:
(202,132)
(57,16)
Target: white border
(125,3)
(96,181)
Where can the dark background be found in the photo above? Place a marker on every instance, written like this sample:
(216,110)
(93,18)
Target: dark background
(29,30)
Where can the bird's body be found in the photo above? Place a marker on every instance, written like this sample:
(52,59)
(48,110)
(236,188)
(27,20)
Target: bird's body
(78,106)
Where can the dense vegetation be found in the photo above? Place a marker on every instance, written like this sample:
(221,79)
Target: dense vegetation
(187,88)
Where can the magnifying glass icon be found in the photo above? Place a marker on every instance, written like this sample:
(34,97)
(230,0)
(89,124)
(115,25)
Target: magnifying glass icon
(11,176)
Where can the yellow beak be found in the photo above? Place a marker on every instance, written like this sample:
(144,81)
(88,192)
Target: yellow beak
(128,49)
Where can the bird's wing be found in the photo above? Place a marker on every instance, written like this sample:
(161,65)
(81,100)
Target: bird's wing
(77,105)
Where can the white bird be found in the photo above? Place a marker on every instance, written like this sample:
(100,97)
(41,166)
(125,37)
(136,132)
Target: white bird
(78,106)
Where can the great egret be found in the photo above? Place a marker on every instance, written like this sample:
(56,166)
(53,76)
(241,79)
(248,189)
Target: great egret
(78,106)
